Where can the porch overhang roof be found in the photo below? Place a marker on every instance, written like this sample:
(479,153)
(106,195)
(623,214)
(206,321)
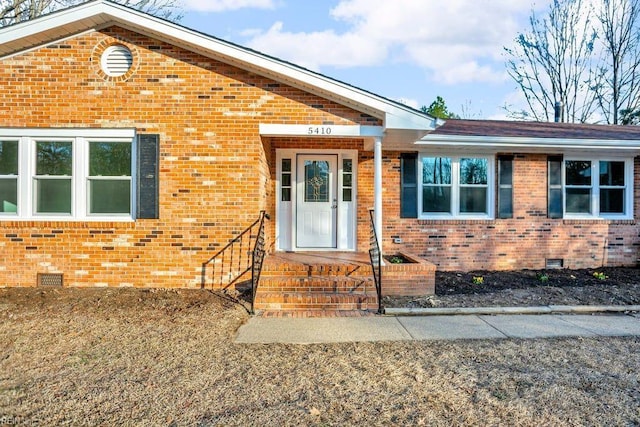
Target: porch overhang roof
(101,14)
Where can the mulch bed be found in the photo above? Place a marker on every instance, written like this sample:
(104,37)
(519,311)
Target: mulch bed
(603,286)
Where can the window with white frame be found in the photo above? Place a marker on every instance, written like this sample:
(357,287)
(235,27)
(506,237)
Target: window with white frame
(109,181)
(53,177)
(8,177)
(456,186)
(598,188)
(72,177)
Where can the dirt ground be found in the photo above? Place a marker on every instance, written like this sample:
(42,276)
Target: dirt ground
(160,357)
(604,286)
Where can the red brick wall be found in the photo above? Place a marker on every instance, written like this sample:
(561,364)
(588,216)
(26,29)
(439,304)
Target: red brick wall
(217,173)
(214,168)
(525,241)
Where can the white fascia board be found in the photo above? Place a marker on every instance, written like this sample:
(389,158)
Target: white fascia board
(68,132)
(524,143)
(48,22)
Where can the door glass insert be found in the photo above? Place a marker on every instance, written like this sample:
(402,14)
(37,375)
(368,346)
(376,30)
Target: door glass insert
(347,180)
(285,180)
(316,182)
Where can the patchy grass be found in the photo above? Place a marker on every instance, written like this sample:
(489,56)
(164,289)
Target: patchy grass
(136,357)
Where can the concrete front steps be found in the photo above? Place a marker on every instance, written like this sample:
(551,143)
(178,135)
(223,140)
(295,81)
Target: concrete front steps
(331,284)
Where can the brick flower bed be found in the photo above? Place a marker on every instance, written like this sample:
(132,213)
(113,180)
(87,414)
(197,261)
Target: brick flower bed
(413,278)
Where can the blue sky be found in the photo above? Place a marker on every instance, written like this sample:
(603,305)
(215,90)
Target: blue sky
(409,50)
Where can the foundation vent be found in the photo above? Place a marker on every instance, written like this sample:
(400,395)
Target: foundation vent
(554,263)
(50,279)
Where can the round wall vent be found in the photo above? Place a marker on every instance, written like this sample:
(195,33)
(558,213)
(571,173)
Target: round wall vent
(116,60)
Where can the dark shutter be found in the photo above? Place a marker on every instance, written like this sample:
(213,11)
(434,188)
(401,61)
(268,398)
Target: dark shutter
(148,154)
(505,186)
(408,185)
(555,199)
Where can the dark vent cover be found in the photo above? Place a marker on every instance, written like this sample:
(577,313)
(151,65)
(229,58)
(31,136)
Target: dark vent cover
(50,279)
(554,263)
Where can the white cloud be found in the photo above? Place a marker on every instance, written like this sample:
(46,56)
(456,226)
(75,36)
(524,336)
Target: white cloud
(455,41)
(316,49)
(469,72)
(223,5)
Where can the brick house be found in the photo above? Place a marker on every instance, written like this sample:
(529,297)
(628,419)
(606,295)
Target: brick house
(132,149)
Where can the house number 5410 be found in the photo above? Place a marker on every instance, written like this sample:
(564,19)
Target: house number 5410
(319,130)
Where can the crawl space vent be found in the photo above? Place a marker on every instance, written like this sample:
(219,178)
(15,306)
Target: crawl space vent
(49,279)
(117,60)
(554,263)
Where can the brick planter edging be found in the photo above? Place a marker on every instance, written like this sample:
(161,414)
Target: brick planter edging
(408,279)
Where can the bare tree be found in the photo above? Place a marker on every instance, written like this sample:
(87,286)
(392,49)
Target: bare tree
(14,11)
(617,80)
(468,112)
(552,61)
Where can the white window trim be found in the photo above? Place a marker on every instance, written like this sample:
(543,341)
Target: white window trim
(11,177)
(80,138)
(27,174)
(595,188)
(455,213)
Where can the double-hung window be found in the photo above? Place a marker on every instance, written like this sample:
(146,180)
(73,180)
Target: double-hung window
(53,177)
(67,174)
(456,187)
(8,177)
(109,181)
(598,188)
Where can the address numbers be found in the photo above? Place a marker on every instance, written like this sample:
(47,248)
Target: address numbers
(319,130)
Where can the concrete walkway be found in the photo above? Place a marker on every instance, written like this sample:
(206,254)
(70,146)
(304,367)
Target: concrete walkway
(439,327)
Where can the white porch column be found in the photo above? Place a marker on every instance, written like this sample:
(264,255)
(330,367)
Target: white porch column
(377,188)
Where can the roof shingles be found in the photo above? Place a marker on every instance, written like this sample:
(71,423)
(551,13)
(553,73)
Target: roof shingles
(514,129)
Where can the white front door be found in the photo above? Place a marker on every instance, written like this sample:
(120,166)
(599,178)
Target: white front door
(316,204)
